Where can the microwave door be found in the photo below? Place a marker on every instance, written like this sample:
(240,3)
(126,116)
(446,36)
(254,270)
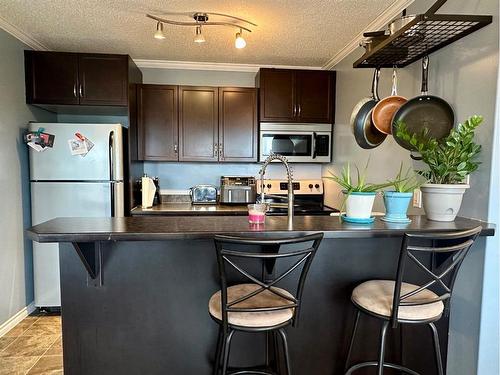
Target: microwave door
(296,145)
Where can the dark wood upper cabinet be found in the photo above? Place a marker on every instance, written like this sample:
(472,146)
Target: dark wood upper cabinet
(289,95)
(315,96)
(51,77)
(69,82)
(198,123)
(277,94)
(157,122)
(237,124)
(103,79)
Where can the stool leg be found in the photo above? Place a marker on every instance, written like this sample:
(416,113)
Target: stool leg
(383,333)
(277,361)
(435,337)
(227,347)
(218,352)
(351,344)
(285,350)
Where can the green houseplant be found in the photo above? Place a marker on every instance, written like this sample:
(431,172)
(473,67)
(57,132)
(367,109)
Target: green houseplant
(449,161)
(359,194)
(397,201)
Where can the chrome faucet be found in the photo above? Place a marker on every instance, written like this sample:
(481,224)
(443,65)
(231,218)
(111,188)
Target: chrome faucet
(262,172)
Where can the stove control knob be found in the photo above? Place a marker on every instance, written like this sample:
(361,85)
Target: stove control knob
(269,186)
(310,186)
(316,186)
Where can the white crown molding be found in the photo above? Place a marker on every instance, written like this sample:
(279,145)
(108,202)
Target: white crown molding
(21,35)
(226,67)
(377,24)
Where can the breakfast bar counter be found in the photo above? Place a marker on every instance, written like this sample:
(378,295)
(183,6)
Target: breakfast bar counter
(135,292)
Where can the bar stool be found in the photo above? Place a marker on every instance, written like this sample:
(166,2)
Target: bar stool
(397,301)
(258,304)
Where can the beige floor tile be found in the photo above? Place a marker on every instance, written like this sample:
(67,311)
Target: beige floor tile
(56,348)
(25,346)
(21,327)
(46,365)
(16,365)
(38,329)
(52,319)
(5,341)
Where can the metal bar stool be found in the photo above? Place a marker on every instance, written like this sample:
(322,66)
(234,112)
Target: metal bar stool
(259,305)
(397,301)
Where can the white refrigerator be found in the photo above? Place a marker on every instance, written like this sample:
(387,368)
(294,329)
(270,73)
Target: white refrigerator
(66,185)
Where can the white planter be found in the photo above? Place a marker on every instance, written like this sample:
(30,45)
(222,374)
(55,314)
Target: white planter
(442,201)
(359,205)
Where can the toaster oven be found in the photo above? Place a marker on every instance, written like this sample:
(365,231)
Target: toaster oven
(203,194)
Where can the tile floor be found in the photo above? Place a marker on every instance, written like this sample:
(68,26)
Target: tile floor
(32,347)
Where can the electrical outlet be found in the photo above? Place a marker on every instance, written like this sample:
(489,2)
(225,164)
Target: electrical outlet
(417,198)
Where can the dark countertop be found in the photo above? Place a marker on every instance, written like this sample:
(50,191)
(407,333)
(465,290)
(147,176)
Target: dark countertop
(188,209)
(150,228)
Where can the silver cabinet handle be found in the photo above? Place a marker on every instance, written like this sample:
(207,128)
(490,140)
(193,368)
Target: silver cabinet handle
(175,148)
(80,91)
(300,109)
(294,110)
(221,151)
(216,149)
(74,90)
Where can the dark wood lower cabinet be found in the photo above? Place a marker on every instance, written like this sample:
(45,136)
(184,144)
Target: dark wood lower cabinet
(237,124)
(198,127)
(158,122)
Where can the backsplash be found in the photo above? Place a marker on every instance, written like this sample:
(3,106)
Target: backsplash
(181,176)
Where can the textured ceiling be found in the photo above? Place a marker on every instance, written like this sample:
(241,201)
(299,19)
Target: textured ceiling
(290,32)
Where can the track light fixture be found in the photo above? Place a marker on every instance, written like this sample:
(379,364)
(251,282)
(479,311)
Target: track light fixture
(201,19)
(199,38)
(239,42)
(159,31)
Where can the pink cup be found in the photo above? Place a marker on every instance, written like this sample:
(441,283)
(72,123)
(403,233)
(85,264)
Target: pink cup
(257,213)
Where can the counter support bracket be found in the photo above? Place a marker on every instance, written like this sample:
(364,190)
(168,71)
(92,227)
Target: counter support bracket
(91,256)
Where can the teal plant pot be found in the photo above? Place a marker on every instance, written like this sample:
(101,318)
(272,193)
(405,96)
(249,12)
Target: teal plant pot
(396,205)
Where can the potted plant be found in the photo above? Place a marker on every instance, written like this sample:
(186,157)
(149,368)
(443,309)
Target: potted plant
(397,201)
(450,160)
(359,196)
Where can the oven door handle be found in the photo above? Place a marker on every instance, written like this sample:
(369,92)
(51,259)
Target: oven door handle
(314,145)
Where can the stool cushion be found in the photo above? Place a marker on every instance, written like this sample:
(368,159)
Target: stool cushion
(377,295)
(262,299)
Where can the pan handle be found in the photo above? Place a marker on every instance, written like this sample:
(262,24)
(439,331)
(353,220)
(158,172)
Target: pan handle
(425,74)
(394,90)
(376,75)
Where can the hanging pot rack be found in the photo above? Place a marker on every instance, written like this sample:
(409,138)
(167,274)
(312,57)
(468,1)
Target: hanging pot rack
(424,35)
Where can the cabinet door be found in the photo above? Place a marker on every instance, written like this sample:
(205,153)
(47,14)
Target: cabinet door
(315,96)
(157,122)
(198,138)
(51,77)
(277,95)
(237,124)
(103,79)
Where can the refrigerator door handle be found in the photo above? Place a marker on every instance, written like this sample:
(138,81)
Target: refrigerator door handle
(112,170)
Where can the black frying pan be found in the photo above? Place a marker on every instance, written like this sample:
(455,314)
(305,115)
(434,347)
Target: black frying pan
(424,111)
(365,133)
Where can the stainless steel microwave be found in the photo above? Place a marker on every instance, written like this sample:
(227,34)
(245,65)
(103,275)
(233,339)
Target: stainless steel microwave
(300,143)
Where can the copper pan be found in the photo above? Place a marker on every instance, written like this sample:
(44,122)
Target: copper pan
(385,109)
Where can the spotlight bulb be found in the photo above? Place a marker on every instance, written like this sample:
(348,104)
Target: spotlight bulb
(159,31)
(239,42)
(199,38)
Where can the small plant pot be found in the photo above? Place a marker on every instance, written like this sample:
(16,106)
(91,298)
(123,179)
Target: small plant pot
(359,205)
(396,205)
(442,201)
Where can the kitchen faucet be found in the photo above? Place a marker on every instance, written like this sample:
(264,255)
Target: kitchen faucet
(262,172)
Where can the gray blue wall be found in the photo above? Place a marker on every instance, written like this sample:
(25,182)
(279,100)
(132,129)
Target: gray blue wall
(16,265)
(464,73)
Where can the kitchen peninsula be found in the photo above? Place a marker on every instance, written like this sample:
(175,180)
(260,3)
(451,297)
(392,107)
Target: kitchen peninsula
(135,291)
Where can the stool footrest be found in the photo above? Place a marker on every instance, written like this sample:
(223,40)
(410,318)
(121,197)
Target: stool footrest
(385,364)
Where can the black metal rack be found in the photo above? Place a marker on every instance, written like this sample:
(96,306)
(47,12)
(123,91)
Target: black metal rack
(427,33)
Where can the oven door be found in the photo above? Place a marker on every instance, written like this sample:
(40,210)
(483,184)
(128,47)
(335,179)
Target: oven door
(298,146)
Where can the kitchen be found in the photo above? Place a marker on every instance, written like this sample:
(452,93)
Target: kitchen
(469,84)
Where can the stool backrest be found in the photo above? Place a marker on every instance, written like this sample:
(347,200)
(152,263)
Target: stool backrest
(231,253)
(452,246)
